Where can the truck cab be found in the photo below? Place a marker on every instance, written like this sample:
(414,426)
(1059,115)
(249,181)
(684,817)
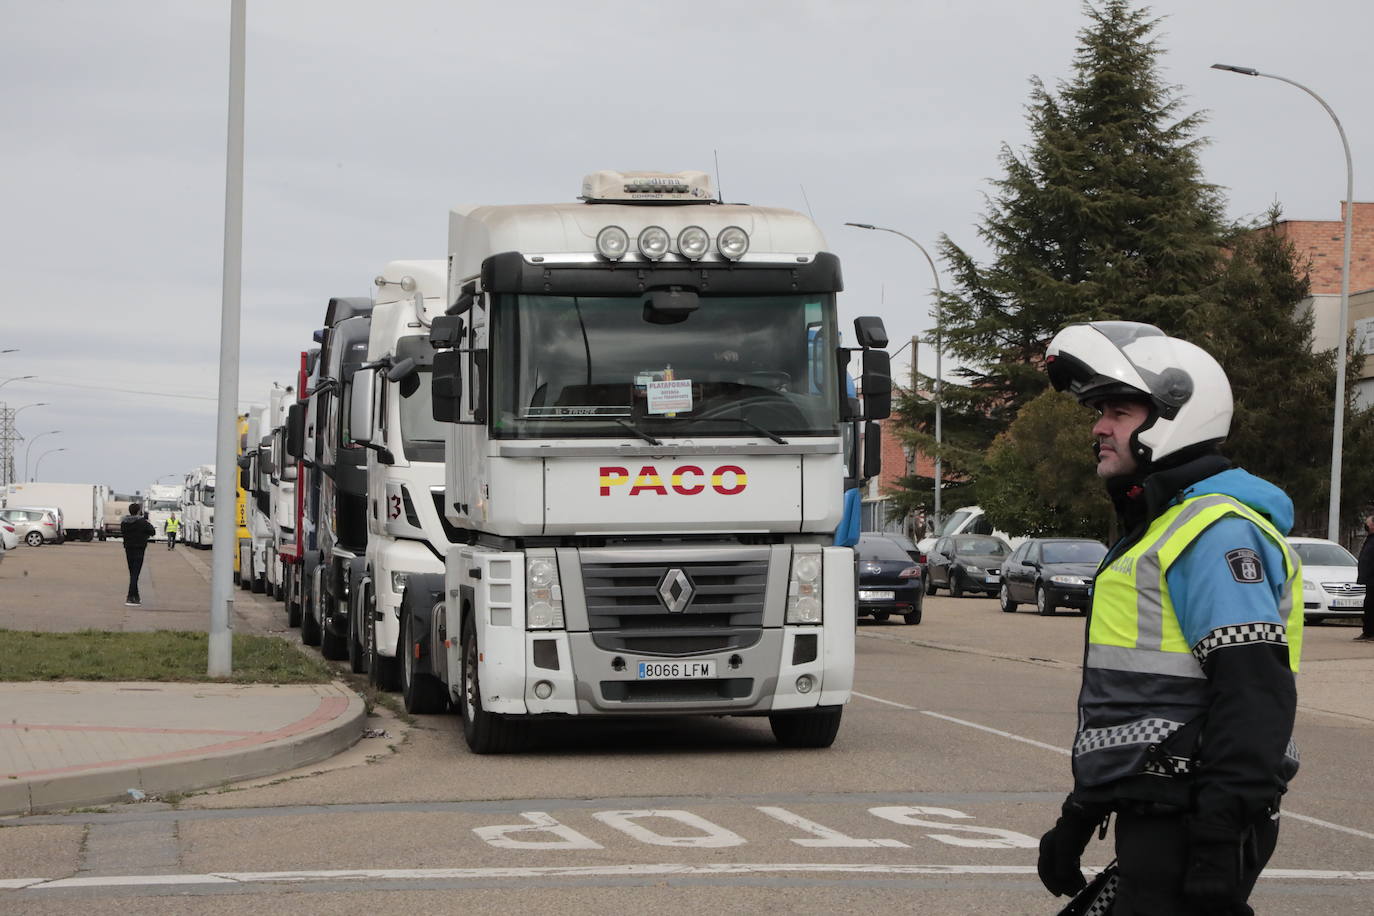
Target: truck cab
(643,396)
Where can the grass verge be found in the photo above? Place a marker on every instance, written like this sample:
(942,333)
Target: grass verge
(164,655)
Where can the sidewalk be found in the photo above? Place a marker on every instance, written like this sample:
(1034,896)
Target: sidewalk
(65,744)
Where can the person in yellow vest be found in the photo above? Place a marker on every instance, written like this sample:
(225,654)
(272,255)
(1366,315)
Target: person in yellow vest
(171,527)
(1189,694)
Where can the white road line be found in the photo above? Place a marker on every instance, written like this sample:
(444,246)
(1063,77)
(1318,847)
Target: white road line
(1059,750)
(590,871)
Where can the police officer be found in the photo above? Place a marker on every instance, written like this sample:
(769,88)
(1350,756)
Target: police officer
(1188,696)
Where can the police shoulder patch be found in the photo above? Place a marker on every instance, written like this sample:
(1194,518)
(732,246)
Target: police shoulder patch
(1245,565)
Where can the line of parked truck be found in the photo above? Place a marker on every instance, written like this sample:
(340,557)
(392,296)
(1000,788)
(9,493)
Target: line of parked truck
(595,462)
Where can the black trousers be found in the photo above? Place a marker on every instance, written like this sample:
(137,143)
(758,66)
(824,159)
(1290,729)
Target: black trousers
(1369,611)
(1152,850)
(134,555)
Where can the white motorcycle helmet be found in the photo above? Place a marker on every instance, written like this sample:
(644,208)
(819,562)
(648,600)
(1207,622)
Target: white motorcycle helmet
(1187,390)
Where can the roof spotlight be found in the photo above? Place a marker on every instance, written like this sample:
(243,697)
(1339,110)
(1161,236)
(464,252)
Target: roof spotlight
(732,242)
(612,243)
(693,242)
(653,242)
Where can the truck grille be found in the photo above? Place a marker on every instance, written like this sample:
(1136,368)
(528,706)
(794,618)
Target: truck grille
(627,613)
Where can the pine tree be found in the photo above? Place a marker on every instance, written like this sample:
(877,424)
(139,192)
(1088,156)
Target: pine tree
(1104,215)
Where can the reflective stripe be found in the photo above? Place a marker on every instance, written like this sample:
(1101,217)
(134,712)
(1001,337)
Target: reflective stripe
(1142,731)
(1149,575)
(1144,661)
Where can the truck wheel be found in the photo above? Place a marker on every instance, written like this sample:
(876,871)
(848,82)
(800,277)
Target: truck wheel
(333,646)
(359,619)
(421,693)
(809,728)
(310,622)
(485,733)
(258,585)
(293,596)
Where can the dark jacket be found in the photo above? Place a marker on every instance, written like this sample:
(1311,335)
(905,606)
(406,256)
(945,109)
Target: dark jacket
(136,531)
(1365,574)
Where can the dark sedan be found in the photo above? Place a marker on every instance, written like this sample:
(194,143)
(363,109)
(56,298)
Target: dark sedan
(966,563)
(889,581)
(1050,573)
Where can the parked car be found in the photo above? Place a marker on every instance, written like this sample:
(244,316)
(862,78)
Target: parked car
(901,541)
(889,580)
(1328,580)
(1050,573)
(33,525)
(9,538)
(966,563)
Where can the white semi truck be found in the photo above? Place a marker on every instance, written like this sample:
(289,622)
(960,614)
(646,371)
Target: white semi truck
(198,507)
(644,469)
(393,418)
(159,502)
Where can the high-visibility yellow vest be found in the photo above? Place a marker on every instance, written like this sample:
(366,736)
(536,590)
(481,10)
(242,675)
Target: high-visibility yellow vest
(1141,680)
(173,525)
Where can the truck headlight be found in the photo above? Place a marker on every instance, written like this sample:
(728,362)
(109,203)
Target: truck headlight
(804,587)
(543,594)
(398,581)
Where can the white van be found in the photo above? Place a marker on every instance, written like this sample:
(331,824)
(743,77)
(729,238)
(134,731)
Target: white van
(968,520)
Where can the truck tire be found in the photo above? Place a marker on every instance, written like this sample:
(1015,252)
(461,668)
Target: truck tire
(484,732)
(333,646)
(808,728)
(421,693)
(359,619)
(310,623)
(293,595)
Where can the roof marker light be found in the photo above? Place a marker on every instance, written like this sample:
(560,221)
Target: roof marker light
(693,242)
(732,242)
(612,243)
(653,242)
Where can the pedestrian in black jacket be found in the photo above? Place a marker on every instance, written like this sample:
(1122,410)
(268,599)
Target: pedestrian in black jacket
(1366,578)
(136,531)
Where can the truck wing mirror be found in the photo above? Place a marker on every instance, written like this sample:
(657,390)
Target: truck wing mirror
(870,332)
(446,394)
(446,332)
(360,408)
(877,384)
(873,450)
(295,430)
(401,370)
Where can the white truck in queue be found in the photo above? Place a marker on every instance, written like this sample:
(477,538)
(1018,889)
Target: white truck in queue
(280,479)
(643,396)
(405,465)
(198,507)
(159,502)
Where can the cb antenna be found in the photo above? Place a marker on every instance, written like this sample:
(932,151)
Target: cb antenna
(808,203)
(720,195)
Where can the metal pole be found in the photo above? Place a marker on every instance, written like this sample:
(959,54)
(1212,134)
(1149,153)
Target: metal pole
(1338,422)
(220,663)
(44,455)
(939,327)
(29,448)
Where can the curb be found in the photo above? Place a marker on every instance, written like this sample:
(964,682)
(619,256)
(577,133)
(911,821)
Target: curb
(112,784)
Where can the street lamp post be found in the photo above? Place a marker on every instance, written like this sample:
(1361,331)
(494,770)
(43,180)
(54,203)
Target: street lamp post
(16,378)
(51,432)
(939,327)
(1338,428)
(44,455)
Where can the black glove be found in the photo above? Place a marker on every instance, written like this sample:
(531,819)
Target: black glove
(1061,849)
(1212,875)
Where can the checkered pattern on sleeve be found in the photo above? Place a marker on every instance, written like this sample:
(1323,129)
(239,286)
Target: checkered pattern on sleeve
(1241,634)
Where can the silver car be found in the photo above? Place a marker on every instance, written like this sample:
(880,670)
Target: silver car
(34,526)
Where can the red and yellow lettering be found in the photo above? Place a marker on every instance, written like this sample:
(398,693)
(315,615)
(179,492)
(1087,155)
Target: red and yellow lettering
(718,480)
(648,479)
(613,477)
(679,480)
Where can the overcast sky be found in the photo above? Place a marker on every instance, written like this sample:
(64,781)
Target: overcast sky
(367,121)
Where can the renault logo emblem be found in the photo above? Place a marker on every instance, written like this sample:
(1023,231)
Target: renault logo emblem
(675,590)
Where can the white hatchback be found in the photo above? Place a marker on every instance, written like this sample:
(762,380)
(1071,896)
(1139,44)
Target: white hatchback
(1328,580)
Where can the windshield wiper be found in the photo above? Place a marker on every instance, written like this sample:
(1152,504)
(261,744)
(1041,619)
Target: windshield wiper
(637,431)
(749,423)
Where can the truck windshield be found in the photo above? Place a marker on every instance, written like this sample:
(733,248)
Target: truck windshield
(422,436)
(573,366)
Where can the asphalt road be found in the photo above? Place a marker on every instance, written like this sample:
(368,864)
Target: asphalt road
(950,763)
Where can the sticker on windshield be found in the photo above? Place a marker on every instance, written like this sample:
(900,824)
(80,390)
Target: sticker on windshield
(670,396)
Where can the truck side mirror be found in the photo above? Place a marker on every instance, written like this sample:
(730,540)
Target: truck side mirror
(401,370)
(869,331)
(873,450)
(446,332)
(877,384)
(244,483)
(446,393)
(295,431)
(360,407)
